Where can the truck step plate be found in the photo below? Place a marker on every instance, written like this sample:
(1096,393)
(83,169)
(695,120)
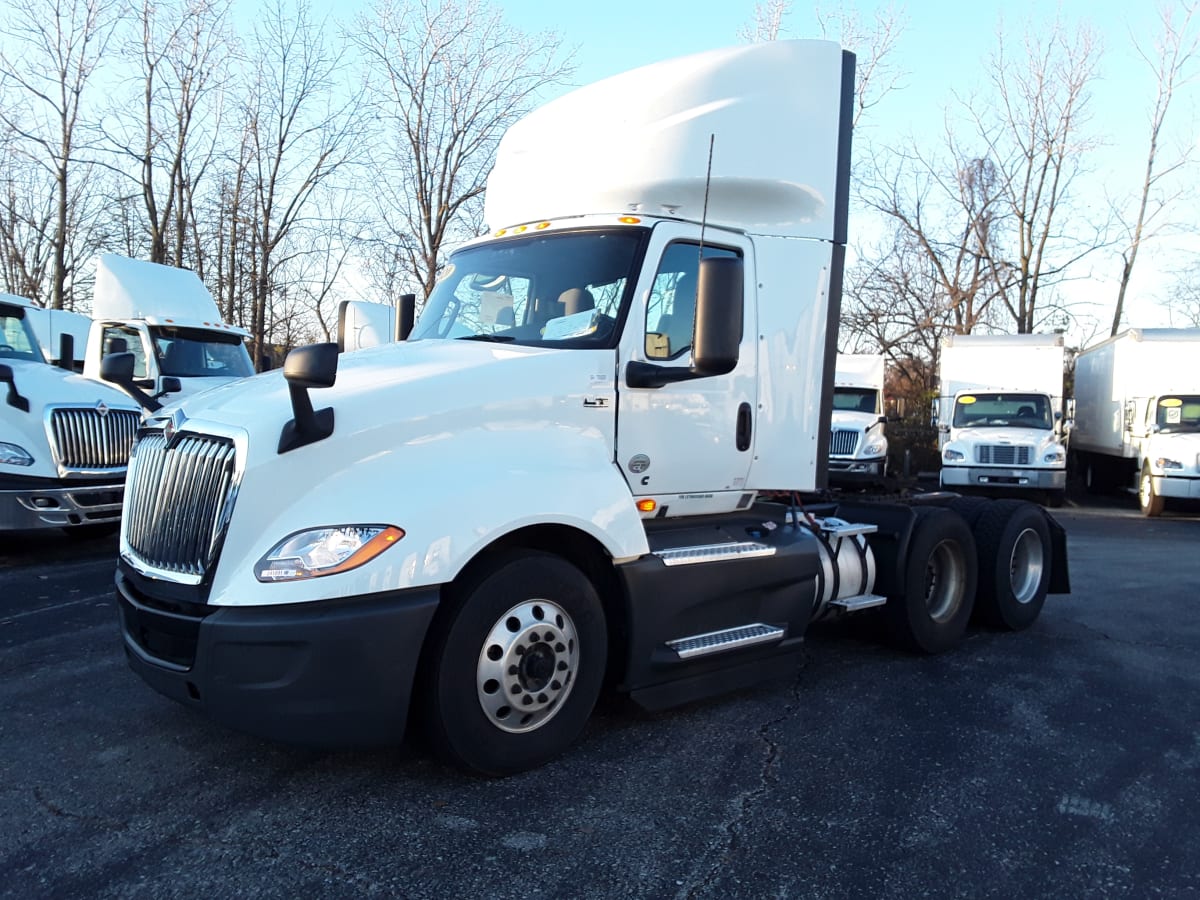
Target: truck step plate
(730,639)
(862,601)
(689,556)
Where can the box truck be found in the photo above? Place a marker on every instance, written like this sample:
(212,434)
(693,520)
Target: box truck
(857,444)
(586,466)
(999,415)
(167,319)
(1137,415)
(64,439)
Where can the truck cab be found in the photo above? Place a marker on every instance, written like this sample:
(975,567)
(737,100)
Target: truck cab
(64,439)
(168,320)
(1165,431)
(857,445)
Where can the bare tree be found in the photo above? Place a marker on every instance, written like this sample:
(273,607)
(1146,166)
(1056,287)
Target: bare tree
(453,76)
(62,43)
(768,22)
(299,133)
(1175,49)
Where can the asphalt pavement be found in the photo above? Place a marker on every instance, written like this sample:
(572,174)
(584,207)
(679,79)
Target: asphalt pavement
(1063,761)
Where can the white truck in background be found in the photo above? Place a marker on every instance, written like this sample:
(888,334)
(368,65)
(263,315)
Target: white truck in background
(585,467)
(1137,415)
(999,414)
(64,439)
(50,326)
(167,319)
(857,444)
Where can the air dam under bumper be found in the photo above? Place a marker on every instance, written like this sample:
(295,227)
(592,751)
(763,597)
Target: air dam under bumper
(45,503)
(1004,477)
(1183,487)
(856,470)
(335,673)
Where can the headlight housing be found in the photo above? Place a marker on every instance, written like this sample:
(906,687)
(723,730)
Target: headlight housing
(1163,463)
(14,455)
(875,448)
(952,455)
(1054,455)
(325,551)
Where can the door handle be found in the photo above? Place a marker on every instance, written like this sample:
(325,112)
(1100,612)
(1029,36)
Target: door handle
(743,427)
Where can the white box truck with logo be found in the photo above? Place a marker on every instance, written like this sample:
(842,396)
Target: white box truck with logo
(857,444)
(567,477)
(1137,415)
(999,413)
(64,439)
(167,319)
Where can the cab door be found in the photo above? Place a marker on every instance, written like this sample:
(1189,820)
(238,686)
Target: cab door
(690,437)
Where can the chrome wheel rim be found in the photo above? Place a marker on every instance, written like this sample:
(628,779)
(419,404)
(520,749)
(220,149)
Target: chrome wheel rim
(1145,490)
(945,581)
(1026,565)
(527,666)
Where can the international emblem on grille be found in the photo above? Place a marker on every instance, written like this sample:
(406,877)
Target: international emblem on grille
(101,408)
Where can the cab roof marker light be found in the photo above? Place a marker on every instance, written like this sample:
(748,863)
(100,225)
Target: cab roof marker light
(629,220)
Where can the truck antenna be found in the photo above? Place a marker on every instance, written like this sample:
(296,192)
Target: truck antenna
(707,182)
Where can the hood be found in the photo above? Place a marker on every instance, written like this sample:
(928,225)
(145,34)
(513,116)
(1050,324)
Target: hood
(843,418)
(1025,437)
(45,385)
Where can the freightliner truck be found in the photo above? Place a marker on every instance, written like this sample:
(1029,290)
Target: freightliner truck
(64,439)
(585,469)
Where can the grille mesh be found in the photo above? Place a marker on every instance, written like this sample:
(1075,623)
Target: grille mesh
(843,441)
(178,497)
(1002,455)
(84,439)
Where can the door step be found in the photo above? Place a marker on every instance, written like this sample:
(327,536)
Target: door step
(730,639)
(861,601)
(706,553)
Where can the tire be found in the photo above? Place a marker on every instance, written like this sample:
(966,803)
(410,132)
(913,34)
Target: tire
(1015,556)
(970,508)
(1152,504)
(940,573)
(528,626)
(1055,498)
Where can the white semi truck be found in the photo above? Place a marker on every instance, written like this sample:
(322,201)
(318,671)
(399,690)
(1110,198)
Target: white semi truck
(64,439)
(857,444)
(585,466)
(167,319)
(999,414)
(1137,415)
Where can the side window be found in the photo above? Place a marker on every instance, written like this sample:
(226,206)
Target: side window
(671,309)
(118,339)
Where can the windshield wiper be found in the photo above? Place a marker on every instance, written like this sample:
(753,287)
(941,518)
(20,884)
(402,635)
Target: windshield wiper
(491,338)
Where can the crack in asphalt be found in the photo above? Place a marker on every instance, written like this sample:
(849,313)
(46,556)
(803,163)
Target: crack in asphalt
(723,849)
(55,810)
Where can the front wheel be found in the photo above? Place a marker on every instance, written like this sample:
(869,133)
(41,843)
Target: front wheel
(1151,503)
(514,668)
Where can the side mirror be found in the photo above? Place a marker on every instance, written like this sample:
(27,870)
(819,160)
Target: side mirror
(943,429)
(117,368)
(14,397)
(718,336)
(314,366)
(882,420)
(168,384)
(66,351)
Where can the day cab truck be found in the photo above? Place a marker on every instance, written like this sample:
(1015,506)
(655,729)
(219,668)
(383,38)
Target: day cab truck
(999,414)
(64,439)
(1137,415)
(167,319)
(586,467)
(857,444)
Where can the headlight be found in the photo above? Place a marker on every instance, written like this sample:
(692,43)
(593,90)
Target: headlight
(875,448)
(952,455)
(325,551)
(1055,455)
(1163,463)
(13,455)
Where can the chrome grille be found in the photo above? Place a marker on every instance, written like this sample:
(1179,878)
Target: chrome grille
(178,498)
(843,441)
(86,440)
(1002,455)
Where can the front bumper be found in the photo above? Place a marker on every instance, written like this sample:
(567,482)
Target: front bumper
(337,673)
(48,503)
(856,470)
(1181,486)
(1004,477)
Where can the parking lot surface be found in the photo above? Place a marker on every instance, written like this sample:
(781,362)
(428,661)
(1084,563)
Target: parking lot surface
(1063,761)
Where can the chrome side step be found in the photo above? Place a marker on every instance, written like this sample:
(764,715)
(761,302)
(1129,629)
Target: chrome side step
(705,553)
(730,639)
(862,601)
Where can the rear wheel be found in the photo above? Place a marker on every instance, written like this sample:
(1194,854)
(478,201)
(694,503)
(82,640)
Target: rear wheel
(932,613)
(1151,503)
(513,670)
(1013,541)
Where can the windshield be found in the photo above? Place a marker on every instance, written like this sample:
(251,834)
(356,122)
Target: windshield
(542,290)
(864,400)
(16,337)
(198,353)
(1178,413)
(1000,410)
